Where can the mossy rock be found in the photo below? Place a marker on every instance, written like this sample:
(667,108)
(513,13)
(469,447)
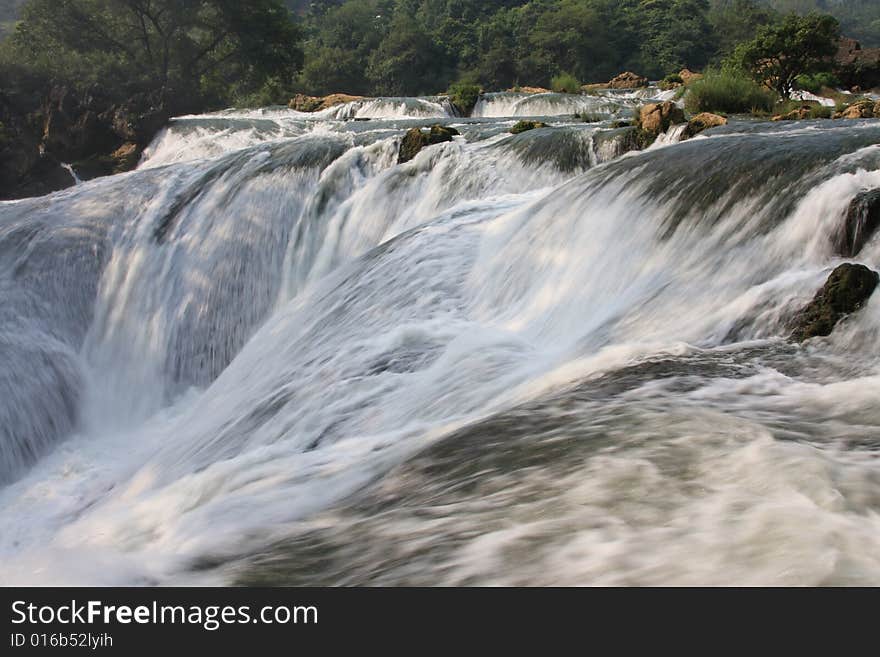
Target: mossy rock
(525,126)
(847,289)
(861,222)
(416,139)
(464,97)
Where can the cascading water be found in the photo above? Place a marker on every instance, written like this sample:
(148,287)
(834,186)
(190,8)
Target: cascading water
(274,355)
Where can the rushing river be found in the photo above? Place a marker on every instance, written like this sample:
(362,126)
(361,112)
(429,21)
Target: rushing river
(274,355)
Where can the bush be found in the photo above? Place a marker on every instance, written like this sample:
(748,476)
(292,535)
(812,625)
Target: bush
(565,83)
(820,112)
(814,83)
(671,81)
(464,96)
(729,93)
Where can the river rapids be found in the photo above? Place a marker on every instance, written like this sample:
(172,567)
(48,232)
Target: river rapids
(273,355)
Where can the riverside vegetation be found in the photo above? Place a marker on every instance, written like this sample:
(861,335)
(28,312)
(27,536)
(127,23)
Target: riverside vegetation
(89,83)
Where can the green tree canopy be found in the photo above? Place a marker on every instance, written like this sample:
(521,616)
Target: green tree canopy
(167,47)
(799,45)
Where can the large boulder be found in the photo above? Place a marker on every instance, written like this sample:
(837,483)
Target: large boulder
(416,139)
(687,76)
(628,80)
(862,220)
(304,103)
(862,109)
(656,118)
(847,290)
(703,121)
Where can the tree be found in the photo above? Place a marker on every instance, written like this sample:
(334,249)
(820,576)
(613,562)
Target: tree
(799,45)
(165,47)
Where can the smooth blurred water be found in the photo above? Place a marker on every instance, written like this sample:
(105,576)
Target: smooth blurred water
(273,355)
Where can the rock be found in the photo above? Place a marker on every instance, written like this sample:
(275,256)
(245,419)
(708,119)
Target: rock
(703,121)
(656,118)
(628,80)
(524,126)
(416,139)
(862,219)
(529,90)
(845,291)
(84,127)
(688,76)
(798,114)
(862,109)
(304,103)
(856,66)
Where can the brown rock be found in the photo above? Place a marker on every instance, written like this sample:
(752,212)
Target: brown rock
(703,121)
(655,118)
(304,103)
(798,114)
(689,76)
(628,80)
(863,109)
(530,90)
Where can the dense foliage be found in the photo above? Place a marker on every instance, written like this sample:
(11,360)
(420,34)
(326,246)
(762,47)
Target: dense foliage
(186,53)
(728,93)
(421,46)
(780,53)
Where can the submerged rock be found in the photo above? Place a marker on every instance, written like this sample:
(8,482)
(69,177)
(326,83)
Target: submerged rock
(524,126)
(845,291)
(628,80)
(862,220)
(703,121)
(416,139)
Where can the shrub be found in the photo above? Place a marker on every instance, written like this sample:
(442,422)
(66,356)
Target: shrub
(565,83)
(464,96)
(820,112)
(729,93)
(814,83)
(671,81)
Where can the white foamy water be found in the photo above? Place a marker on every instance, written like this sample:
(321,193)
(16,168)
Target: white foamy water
(493,364)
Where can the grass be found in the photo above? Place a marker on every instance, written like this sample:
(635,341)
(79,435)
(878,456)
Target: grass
(565,83)
(728,93)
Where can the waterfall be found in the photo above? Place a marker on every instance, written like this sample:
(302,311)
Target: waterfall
(515,359)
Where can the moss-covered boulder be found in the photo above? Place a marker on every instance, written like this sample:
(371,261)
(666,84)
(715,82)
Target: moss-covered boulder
(703,121)
(846,291)
(416,139)
(464,97)
(525,126)
(862,220)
